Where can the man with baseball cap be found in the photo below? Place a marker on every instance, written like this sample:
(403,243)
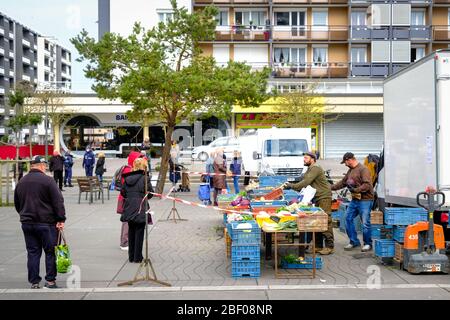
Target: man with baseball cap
(359,182)
(315,177)
(40,205)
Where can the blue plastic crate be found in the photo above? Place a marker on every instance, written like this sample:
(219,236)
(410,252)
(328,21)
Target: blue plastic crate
(272,181)
(381,231)
(404,216)
(225,217)
(245,253)
(308,264)
(290,195)
(246,269)
(376,231)
(399,233)
(384,248)
(336,215)
(268,203)
(250,236)
(343,216)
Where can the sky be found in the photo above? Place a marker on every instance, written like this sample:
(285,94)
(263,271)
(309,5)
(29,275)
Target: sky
(61,19)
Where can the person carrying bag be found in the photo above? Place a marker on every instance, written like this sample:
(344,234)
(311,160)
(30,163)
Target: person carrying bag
(62,253)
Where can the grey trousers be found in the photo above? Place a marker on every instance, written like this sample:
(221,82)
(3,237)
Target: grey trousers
(124,235)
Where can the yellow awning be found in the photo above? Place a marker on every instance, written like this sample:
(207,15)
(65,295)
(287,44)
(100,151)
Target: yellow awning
(270,106)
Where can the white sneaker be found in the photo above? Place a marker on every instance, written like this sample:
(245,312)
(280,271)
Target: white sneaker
(124,248)
(366,248)
(350,247)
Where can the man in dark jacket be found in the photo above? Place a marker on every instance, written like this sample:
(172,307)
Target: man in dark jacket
(68,164)
(40,205)
(315,177)
(88,162)
(57,167)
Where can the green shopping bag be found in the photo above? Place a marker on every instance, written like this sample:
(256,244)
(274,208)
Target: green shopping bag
(63,261)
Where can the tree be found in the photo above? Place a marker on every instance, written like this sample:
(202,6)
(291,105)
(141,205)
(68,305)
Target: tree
(164,75)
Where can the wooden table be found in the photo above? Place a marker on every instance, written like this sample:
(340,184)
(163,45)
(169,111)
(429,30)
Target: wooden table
(279,275)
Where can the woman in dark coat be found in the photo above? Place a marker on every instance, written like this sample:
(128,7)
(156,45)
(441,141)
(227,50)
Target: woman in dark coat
(133,191)
(100,166)
(219,179)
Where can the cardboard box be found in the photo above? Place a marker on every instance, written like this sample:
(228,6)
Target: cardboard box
(376,217)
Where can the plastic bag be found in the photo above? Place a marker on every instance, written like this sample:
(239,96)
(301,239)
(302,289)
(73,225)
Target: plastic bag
(63,260)
(307,194)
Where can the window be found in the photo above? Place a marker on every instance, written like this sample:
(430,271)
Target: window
(320,18)
(165,16)
(381,14)
(46,77)
(294,18)
(401,14)
(285,147)
(46,62)
(359,55)
(282,18)
(417,53)
(296,56)
(320,56)
(257,18)
(358,18)
(222,18)
(417,18)
(401,51)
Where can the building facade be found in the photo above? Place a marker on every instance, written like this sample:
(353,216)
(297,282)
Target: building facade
(27,56)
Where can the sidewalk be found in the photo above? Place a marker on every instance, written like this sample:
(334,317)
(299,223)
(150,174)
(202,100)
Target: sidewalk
(186,254)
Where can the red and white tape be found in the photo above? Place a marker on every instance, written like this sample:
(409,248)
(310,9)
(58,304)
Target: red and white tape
(214,174)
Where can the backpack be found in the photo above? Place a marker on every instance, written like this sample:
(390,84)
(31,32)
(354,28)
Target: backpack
(117,179)
(371,162)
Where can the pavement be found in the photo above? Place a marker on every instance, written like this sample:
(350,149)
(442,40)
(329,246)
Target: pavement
(190,255)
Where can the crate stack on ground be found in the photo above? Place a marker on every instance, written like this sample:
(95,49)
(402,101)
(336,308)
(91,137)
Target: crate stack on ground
(343,217)
(397,218)
(245,249)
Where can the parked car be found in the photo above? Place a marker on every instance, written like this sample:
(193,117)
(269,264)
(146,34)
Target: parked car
(229,143)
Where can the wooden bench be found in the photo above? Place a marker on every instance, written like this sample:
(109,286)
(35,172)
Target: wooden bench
(91,186)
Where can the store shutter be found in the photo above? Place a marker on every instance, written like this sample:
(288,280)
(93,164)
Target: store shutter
(358,133)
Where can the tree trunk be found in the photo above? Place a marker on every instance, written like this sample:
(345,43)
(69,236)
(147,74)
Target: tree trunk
(17,158)
(165,159)
(31,145)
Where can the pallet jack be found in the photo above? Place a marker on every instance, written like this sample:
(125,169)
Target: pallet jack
(423,240)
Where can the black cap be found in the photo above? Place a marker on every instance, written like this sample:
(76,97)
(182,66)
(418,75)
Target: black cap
(311,154)
(38,159)
(347,156)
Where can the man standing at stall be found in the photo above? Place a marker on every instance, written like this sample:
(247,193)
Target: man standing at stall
(315,177)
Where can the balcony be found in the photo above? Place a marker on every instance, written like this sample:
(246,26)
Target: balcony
(2,31)
(230,2)
(242,33)
(26,43)
(311,70)
(26,78)
(26,61)
(310,33)
(441,33)
(2,51)
(396,67)
(369,69)
(420,33)
(293,2)
(2,91)
(441,1)
(2,71)
(369,33)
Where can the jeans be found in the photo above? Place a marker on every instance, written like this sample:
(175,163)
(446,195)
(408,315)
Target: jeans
(100,177)
(236,184)
(68,176)
(89,171)
(38,237)
(363,208)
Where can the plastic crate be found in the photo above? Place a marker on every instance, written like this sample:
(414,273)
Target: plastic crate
(385,248)
(272,181)
(250,236)
(343,217)
(336,215)
(225,217)
(399,233)
(380,231)
(269,203)
(245,253)
(404,216)
(246,269)
(269,210)
(290,195)
(307,264)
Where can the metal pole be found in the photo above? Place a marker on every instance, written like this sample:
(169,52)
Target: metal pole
(46,129)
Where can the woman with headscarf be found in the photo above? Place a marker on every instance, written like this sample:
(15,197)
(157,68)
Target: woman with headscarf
(219,179)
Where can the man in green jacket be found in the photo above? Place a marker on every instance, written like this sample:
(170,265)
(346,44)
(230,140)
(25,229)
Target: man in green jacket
(315,177)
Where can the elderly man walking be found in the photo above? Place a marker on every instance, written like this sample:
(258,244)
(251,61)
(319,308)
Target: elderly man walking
(359,182)
(40,205)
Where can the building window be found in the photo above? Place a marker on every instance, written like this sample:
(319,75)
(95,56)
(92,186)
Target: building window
(294,18)
(46,62)
(320,18)
(11,45)
(222,18)
(289,56)
(320,56)
(246,18)
(359,55)
(359,18)
(282,18)
(46,45)
(165,16)
(46,76)
(417,53)
(418,18)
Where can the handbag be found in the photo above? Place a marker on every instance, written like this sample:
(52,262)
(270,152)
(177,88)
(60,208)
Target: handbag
(63,260)
(120,205)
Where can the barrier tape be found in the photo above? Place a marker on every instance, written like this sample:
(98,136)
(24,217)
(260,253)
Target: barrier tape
(215,174)
(195,204)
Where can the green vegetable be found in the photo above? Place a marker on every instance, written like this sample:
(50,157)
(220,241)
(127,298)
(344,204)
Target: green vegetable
(288,225)
(290,258)
(247,217)
(282,209)
(63,261)
(242,193)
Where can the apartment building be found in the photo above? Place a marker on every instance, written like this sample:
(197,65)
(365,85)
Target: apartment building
(22,58)
(347,47)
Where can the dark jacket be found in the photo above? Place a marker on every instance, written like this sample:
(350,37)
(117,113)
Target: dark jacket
(56,163)
(38,200)
(100,166)
(360,179)
(236,166)
(68,162)
(219,180)
(89,159)
(133,191)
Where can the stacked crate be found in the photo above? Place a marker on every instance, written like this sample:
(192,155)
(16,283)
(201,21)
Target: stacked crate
(343,217)
(245,249)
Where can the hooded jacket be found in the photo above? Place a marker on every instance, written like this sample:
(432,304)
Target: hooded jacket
(131,157)
(133,191)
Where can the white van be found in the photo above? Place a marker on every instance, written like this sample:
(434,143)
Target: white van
(277,150)
(229,143)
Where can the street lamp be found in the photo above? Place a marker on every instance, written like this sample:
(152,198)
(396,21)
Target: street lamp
(46,128)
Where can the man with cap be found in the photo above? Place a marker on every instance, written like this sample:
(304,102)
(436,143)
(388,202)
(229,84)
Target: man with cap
(89,161)
(315,177)
(40,205)
(359,182)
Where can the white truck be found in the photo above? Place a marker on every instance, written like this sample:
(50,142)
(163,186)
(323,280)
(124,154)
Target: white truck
(417,131)
(277,149)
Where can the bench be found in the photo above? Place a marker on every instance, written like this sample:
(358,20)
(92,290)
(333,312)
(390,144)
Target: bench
(91,186)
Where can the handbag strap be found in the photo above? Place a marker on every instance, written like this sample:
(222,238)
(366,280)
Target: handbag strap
(61,237)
